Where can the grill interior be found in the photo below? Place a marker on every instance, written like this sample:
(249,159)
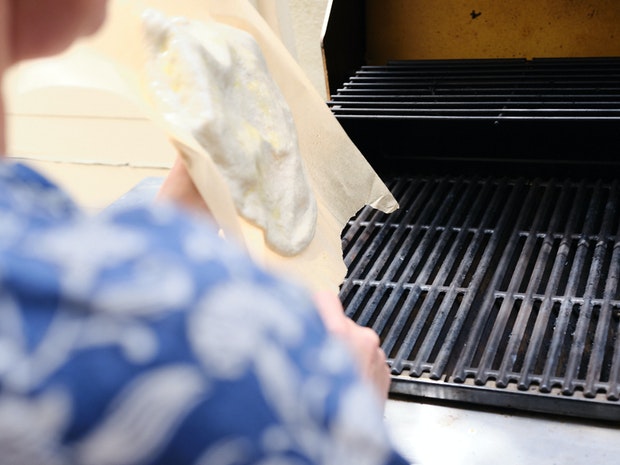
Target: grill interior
(483,113)
(497,280)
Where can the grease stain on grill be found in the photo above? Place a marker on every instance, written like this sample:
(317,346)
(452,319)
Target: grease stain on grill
(503,285)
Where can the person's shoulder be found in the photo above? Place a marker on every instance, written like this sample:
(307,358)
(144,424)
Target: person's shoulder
(137,260)
(29,195)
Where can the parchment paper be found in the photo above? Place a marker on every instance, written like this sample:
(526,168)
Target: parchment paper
(342,181)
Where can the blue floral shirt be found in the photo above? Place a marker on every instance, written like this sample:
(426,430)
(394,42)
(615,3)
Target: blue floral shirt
(139,337)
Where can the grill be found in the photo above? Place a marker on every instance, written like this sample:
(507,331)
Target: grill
(496,283)
(494,291)
(481,113)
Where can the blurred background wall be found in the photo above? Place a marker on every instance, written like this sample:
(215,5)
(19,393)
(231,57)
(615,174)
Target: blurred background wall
(98,147)
(299,23)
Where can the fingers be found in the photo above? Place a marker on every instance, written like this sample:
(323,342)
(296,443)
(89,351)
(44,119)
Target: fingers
(364,342)
(331,311)
(371,357)
(178,187)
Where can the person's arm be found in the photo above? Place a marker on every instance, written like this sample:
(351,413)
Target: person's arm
(363,342)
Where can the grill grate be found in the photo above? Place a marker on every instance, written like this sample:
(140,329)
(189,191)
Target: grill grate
(495,291)
(544,111)
(496,89)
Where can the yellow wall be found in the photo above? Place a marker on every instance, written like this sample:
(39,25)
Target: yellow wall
(429,29)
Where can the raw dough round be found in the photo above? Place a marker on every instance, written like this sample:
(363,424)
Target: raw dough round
(212,79)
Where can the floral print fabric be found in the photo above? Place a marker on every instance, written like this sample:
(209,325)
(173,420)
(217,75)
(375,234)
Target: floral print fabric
(139,336)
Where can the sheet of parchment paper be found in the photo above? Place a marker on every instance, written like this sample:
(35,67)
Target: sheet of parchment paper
(342,180)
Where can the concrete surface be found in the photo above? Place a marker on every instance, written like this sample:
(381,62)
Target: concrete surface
(429,434)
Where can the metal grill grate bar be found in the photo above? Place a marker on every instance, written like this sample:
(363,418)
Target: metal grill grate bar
(579,344)
(492,347)
(495,284)
(520,333)
(432,261)
(487,305)
(415,242)
(474,288)
(604,332)
(566,310)
(423,359)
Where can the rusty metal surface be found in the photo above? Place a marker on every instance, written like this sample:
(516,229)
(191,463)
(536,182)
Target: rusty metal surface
(422,29)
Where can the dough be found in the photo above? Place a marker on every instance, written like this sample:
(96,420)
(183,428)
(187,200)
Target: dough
(212,79)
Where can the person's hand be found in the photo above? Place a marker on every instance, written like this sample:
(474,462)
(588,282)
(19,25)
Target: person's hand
(363,342)
(179,188)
